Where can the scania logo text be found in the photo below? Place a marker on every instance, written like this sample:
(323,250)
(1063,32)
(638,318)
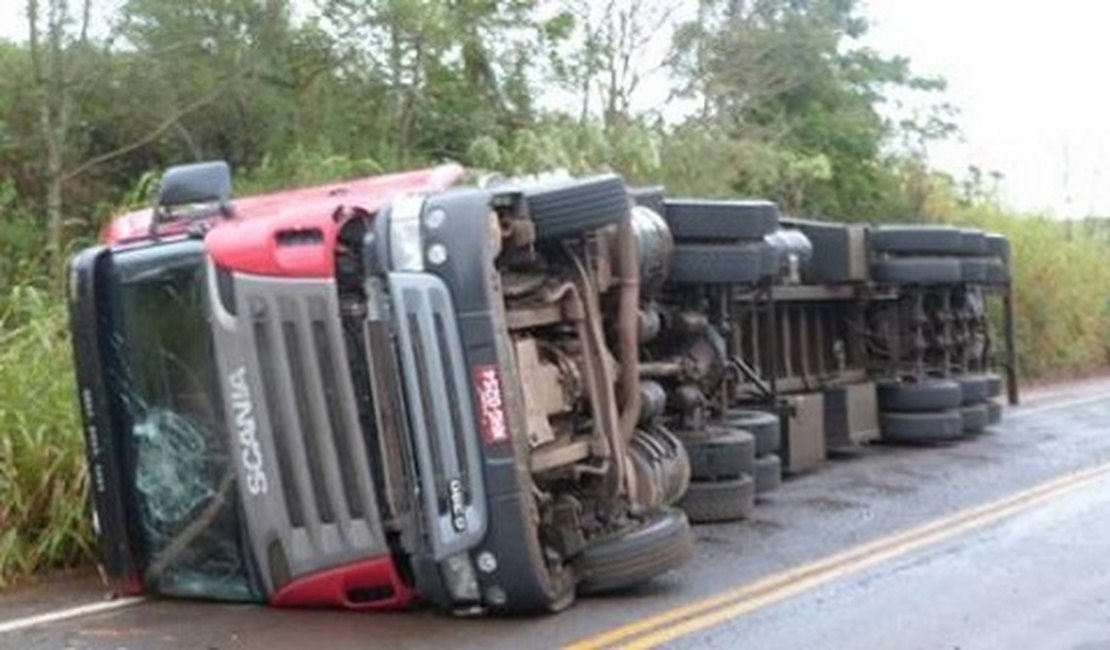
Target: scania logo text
(246,427)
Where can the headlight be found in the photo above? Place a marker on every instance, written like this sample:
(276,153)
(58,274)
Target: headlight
(461,580)
(405,245)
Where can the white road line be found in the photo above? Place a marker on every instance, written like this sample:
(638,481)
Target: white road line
(72,612)
(1022,411)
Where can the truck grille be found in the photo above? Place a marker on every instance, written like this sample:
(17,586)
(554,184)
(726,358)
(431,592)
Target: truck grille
(321,451)
(440,409)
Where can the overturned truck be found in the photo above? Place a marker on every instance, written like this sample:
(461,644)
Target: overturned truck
(492,396)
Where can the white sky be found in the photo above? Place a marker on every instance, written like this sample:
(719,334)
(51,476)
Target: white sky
(1030,80)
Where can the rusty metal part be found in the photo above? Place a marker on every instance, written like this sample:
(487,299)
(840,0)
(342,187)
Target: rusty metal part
(654,245)
(515,285)
(653,400)
(628,328)
(556,456)
(599,380)
(651,323)
(544,395)
(662,468)
(661,369)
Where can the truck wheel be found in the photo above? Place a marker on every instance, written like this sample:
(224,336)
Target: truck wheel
(975,418)
(571,207)
(973,242)
(652,198)
(721,263)
(917,240)
(998,245)
(918,428)
(974,388)
(657,544)
(975,270)
(764,426)
(768,473)
(717,501)
(719,453)
(996,272)
(917,270)
(994,384)
(924,395)
(994,413)
(706,220)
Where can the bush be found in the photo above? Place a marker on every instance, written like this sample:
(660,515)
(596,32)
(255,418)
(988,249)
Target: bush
(44,518)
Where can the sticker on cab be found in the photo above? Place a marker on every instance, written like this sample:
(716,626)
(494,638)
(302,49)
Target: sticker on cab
(491,406)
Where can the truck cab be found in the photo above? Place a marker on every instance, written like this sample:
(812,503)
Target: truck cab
(372,393)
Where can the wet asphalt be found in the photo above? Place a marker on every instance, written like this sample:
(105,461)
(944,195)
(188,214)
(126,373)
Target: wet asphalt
(1038,579)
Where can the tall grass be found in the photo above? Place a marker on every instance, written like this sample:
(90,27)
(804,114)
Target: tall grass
(1062,291)
(44,518)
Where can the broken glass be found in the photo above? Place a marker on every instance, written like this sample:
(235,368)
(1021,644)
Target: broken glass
(162,372)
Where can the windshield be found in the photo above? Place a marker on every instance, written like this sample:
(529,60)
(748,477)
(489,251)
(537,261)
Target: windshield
(161,373)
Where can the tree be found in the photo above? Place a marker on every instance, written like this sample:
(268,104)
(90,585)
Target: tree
(789,74)
(55,59)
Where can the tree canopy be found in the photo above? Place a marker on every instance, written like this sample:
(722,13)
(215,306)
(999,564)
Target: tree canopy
(772,98)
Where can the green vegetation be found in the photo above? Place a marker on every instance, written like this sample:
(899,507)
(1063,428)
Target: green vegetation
(42,466)
(770,98)
(1061,304)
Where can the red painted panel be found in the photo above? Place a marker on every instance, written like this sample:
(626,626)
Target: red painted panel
(248,241)
(381,587)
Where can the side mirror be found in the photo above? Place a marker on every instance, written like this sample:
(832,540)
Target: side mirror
(198,183)
(205,182)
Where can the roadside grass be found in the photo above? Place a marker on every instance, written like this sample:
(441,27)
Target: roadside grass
(1061,275)
(44,518)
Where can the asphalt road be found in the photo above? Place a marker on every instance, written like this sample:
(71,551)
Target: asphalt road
(1030,574)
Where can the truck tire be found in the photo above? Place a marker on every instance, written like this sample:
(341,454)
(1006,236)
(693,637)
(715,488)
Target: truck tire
(719,501)
(917,240)
(998,246)
(994,413)
(764,426)
(768,474)
(920,396)
(743,263)
(974,388)
(572,207)
(975,270)
(975,418)
(921,428)
(917,270)
(973,242)
(707,220)
(994,384)
(653,546)
(996,272)
(719,453)
(652,198)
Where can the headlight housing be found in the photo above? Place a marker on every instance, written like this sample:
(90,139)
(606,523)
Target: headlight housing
(405,242)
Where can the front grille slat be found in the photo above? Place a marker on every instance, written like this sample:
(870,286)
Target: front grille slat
(279,420)
(341,439)
(285,418)
(322,462)
(311,426)
(440,411)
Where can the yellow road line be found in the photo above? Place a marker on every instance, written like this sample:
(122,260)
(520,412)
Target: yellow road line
(702,614)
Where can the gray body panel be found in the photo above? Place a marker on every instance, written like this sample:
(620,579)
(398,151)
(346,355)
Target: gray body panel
(441,414)
(319,508)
